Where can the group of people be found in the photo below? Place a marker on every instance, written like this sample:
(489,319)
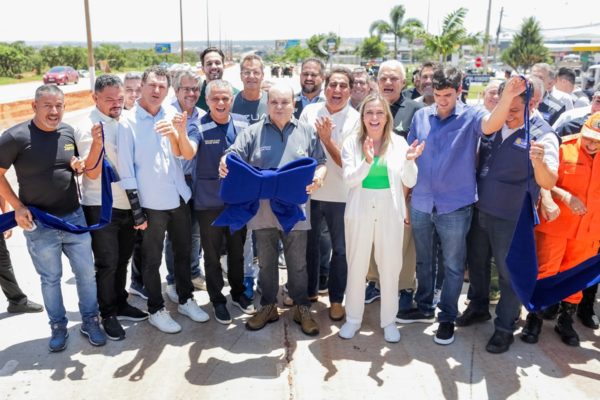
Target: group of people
(407,183)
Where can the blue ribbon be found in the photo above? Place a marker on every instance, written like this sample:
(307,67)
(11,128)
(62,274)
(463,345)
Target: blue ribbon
(522,262)
(7,221)
(245,185)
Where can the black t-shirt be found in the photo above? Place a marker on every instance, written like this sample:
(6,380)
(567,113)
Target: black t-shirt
(42,163)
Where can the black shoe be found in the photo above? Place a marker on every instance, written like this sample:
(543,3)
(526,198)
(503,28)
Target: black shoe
(113,329)
(131,313)
(589,319)
(551,312)
(27,306)
(532,329)
(585,309)
(414,315)
(564,324)
(245,304)
(445,333)
(500,342)
(470,317)
(222,314)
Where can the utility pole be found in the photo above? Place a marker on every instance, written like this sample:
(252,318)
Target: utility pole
(486,38)
(498,34)
(181,27)
(207,29)
(88,29)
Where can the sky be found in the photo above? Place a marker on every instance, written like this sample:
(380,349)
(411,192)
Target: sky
(158,20)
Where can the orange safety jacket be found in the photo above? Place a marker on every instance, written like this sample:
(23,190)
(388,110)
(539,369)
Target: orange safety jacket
(579,174)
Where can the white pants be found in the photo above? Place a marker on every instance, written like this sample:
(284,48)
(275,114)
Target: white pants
(377,227)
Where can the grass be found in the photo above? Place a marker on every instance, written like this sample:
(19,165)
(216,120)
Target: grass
(476,91)
(29,78)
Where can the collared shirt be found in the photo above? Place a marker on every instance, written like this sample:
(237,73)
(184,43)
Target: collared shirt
(146,162)
(192,126)
(301,101)
(264,145)
(446,178)
(91,189)
(564,98)
(345,123)
(403,111)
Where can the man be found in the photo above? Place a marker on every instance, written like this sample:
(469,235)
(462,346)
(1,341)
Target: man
(567,234)
(112,245)
(414,92)
(312,73)
(218,130)
(491,95)
(391,82)
(41,151)
(213,66)
(334,120)
(17,300)
(261,145)
(153,178)
(502,180)
(187,90)
(572,121)
(252,103)
(551,107)
(426,83)
(565,83)
(132,83)
(443,197)
(360,88)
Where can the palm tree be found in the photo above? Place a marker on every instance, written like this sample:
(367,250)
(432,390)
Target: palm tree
(397,26)
(453,35)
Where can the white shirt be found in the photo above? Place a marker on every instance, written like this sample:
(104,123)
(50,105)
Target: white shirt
(345,123)
(550,142)
(570,115)
(564,98)
(91,188)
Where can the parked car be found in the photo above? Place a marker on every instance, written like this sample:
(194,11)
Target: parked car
(83,73)
(61,75)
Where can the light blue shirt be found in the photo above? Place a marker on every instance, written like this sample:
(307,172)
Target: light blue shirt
(146,162)
(446,179)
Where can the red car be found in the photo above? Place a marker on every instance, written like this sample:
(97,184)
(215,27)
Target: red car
(61,75)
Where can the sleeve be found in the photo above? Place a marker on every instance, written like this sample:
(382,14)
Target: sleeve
(354,173)
(409,169)
(477,121)
(9,150)
(194,134)
(550,142)
(125,157)
(83,140)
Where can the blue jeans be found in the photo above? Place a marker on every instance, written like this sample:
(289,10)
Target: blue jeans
(333,213)
(294,249)
(452,229)
(488,230)
(46,247)
(195,254)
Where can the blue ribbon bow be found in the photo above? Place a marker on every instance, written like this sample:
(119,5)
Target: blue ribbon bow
(7,221)
(522,262)
(245,185)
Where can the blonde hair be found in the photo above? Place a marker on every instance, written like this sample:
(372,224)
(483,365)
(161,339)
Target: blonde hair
(387,128)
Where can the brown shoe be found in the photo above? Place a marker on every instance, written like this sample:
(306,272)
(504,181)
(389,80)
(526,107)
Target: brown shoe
(302,316)
(265,315)
(337,312)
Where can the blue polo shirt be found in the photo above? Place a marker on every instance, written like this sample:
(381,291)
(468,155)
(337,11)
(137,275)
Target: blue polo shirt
(446,179)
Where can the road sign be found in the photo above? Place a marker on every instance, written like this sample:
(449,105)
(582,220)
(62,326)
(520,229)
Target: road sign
(478,62)
(162,48)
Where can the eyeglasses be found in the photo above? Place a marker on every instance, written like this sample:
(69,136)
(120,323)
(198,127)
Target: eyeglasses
(247,72)
(189,89)
(341,85)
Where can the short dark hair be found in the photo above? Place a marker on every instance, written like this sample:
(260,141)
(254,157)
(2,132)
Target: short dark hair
(107,80)
(426,64)
(51,89)
(316,61)
(447,78)
(342,71)
(567,74)
(158,71)
(211,49)
(132,75)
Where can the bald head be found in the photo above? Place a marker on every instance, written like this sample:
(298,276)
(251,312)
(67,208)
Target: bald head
(280,104)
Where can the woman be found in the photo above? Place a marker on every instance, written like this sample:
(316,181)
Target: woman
(378,168)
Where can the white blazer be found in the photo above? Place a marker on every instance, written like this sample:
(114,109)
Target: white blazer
(400,172)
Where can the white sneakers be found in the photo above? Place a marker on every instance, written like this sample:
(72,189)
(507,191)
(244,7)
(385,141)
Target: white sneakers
(171,292)
(192,310)
(163,322)
(348,330)
(391,334)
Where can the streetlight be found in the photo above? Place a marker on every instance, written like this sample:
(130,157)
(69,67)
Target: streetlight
(181,27)
(88,29)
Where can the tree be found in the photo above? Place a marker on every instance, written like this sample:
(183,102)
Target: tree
(397,26)
(453,35)
(315,45)
(372,47)
(111,53)
(296,54)
(527,47)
